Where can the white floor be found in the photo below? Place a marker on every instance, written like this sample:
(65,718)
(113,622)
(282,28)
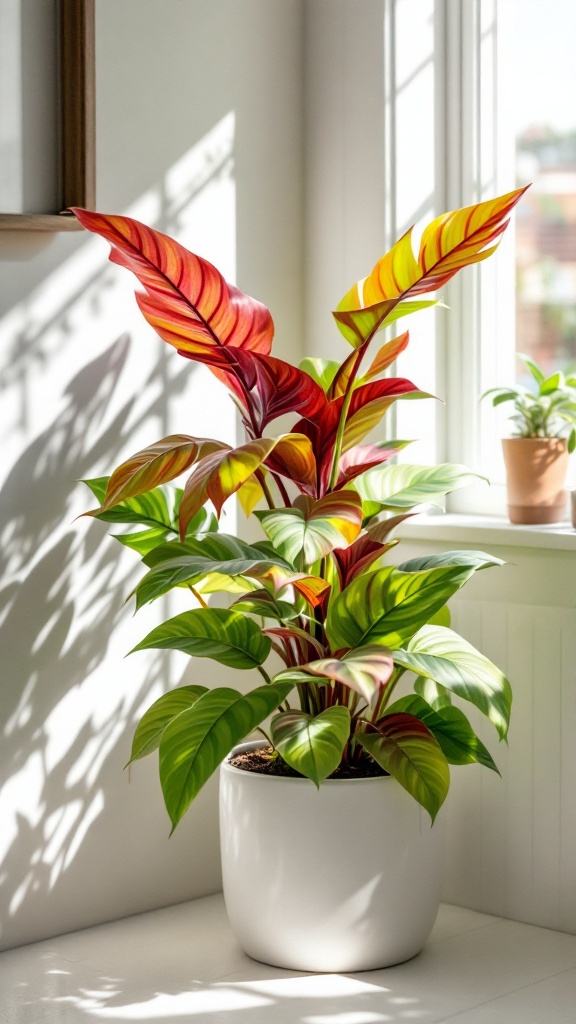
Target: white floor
(183,964)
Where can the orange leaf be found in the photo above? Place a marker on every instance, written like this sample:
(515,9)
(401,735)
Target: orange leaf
(188,302)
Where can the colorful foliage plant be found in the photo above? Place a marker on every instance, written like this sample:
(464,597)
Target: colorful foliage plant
(315,592)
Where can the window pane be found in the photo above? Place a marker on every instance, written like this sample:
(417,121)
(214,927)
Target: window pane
(544,77)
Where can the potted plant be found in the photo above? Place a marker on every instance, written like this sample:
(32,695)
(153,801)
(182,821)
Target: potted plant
(536,456)
(329,860)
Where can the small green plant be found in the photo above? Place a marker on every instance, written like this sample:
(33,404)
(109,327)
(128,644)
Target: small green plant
(547,411)
(313,590)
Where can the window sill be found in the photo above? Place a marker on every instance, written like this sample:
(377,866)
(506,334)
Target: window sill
(473,529)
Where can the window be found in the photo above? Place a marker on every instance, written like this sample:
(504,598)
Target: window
(480,99)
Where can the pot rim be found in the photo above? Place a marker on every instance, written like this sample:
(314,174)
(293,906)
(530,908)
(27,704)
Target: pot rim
(534,440)
(255,744)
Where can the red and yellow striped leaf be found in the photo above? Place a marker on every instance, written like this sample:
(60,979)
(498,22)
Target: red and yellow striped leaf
(293,457)
(362,457)
(369,546)
(387,355)
(219,475)
(456,239)
(157,464)
(370,402)
(188,302)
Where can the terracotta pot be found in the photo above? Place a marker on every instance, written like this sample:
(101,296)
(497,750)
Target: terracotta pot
(344,878)
(536,469)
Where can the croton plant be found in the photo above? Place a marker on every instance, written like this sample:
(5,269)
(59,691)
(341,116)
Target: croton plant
(316,594)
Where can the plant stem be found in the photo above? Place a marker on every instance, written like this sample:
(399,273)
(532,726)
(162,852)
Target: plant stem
(266,490)
(264,674)
(198,596)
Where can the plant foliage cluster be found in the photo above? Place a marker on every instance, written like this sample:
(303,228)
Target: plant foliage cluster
(548,410)
(315,591)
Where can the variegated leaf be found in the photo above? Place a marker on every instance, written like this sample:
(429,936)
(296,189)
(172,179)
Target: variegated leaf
(219,475)
(313,529)
(438,653)
(313,746)
(405,747)
(197,741)
(365,670)
(388,607)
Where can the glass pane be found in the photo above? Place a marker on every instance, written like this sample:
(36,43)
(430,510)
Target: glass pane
(543,73)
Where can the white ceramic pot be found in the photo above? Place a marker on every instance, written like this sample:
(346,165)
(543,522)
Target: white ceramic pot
(344,878)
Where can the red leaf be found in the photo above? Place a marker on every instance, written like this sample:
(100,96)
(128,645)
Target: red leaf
(360,458)
(369,546)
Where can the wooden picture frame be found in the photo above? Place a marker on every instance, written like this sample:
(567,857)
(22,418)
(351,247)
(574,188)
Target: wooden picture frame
(77,112)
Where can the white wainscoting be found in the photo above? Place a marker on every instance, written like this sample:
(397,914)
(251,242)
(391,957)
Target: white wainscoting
(511,844)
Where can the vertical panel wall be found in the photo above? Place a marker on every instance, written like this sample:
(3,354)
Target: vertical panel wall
(511,843)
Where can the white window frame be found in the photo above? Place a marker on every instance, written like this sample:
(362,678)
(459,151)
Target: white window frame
(474,340)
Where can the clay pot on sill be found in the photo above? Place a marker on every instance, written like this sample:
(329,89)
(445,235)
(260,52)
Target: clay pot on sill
(536,469)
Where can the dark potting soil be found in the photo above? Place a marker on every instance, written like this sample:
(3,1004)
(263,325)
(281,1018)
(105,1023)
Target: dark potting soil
(265,761)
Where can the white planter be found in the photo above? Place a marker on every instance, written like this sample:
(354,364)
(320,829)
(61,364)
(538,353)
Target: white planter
(344,878)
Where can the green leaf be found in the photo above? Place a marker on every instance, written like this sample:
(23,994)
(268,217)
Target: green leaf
(260,602)
(189,569)
(405,747)
(322,371)
(143,541)
(153,722)
(404,486)
(365,669)
(389,606)
(468,559)
(535,370)
(312,746)
(97,485)
(450,727)
(444,656)
(228,637)
(175,563)
(314,528)
(358,324)
(195,742)
(436,695)
(150,509)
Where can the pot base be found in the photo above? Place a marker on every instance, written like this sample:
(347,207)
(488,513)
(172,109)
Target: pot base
(532,515)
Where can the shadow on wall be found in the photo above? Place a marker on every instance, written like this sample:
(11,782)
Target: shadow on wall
(68,700)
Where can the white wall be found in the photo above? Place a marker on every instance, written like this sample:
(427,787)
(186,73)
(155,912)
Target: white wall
(198,133)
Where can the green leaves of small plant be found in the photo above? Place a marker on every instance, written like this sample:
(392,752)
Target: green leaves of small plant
(313,746)
(405,747)
(195,742)
(226,636)
(153,722)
